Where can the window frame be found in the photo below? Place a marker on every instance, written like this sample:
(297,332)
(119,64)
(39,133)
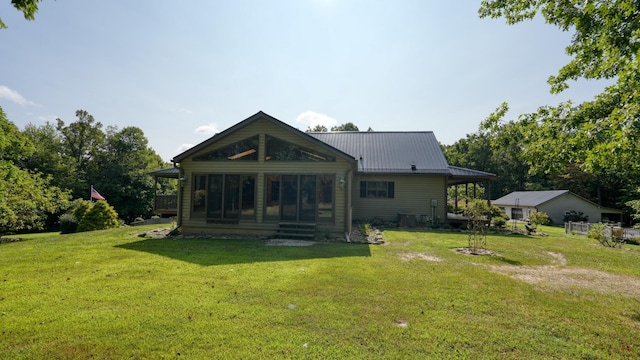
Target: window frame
(224,197)
(376,187)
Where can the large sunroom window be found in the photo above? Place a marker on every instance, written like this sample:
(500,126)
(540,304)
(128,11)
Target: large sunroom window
(246,149)
(280,150)
(224,196)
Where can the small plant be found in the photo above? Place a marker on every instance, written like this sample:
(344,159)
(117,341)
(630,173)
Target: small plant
(365,229)
(499,221)
(607,235)
(540,218)
(477,211)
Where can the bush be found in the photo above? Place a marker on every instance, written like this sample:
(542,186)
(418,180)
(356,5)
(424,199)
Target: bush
(575,216)
(540,218)
(80,207)
(499,221)
(101,216)
(68,223)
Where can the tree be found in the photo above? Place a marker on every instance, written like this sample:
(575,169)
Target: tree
(48,156)
(317,128)
(13,145)
(121,171)
(600,136)
(26,199)
(28,8)
(345,127)
(82,141)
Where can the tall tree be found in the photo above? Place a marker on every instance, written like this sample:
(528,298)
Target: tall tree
(317,128)
(121,171)
(82,141)
(602,136)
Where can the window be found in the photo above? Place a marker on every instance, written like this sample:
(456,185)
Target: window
(377,189)
(246,149)
(516,213)
(224,196)
(280,150)
(299,198)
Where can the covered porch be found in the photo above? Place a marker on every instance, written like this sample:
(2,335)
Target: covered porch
(165,204)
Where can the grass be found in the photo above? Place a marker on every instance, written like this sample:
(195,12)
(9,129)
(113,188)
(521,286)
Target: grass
(110,294)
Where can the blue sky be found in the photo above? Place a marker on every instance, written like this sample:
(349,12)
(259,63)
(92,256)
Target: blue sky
(183,70)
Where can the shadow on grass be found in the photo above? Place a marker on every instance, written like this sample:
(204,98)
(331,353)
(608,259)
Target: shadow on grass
(208,252)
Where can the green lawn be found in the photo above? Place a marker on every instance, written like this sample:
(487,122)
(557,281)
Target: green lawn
(110,294)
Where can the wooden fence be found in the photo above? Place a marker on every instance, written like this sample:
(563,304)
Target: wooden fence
(581,228)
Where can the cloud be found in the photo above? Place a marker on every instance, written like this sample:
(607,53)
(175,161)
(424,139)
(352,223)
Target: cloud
(184,111)
(14,96)
(311,119)
(47,118)
(184,147)
(210,129)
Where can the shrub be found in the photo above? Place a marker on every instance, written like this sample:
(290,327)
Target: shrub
(365,229)
(575,216)
(540,218)
(80,207)
(101,216)
(499,221)
(68,223)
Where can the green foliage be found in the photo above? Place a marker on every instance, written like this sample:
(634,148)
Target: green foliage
(28,8)
(575,216)
(26,199)
(606,235)
(478,212)
(499,221)
(79,208)
(317,128)
(101,216)
(365,229)
(345,127)
(635,206)
(599,137)
(68,223)
(540,218)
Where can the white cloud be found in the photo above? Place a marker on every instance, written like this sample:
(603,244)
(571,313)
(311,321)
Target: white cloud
(14,96)
(311,119)
(184,111)
(210,129)
(47,118)
(184,147)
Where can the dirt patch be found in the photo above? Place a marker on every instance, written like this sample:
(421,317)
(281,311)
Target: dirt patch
(476,251)
(420,256)
(558,258)
(558,278)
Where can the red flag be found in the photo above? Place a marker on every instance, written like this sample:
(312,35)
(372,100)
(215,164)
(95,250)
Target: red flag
(96,195)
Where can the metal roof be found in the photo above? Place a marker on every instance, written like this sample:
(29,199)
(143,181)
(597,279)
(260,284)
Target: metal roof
(167,173)
(390,152)
(529,198)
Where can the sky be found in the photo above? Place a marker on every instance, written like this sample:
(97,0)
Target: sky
(184,70)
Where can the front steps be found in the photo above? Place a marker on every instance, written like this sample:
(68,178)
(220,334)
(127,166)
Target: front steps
(300,231)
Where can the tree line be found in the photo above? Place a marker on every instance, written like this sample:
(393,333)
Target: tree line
(44,167)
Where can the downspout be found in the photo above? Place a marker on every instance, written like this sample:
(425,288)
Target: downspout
(180,194)
(347,196)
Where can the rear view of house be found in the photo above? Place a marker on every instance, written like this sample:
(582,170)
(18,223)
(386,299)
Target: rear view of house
(262,174)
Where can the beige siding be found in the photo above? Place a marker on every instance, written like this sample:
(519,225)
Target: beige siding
(260,168)
(413,194)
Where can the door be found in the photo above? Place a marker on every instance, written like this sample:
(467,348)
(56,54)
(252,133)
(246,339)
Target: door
(289,197)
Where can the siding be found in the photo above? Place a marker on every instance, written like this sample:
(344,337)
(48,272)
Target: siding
(339,169)
(555,208)
(413,194)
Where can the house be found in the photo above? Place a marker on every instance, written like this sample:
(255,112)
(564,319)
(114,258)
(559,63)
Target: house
(555,203)
(262,175)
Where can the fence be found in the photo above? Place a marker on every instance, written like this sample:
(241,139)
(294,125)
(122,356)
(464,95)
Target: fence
(583,229)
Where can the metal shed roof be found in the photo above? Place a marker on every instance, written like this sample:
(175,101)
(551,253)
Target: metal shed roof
(529,198)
